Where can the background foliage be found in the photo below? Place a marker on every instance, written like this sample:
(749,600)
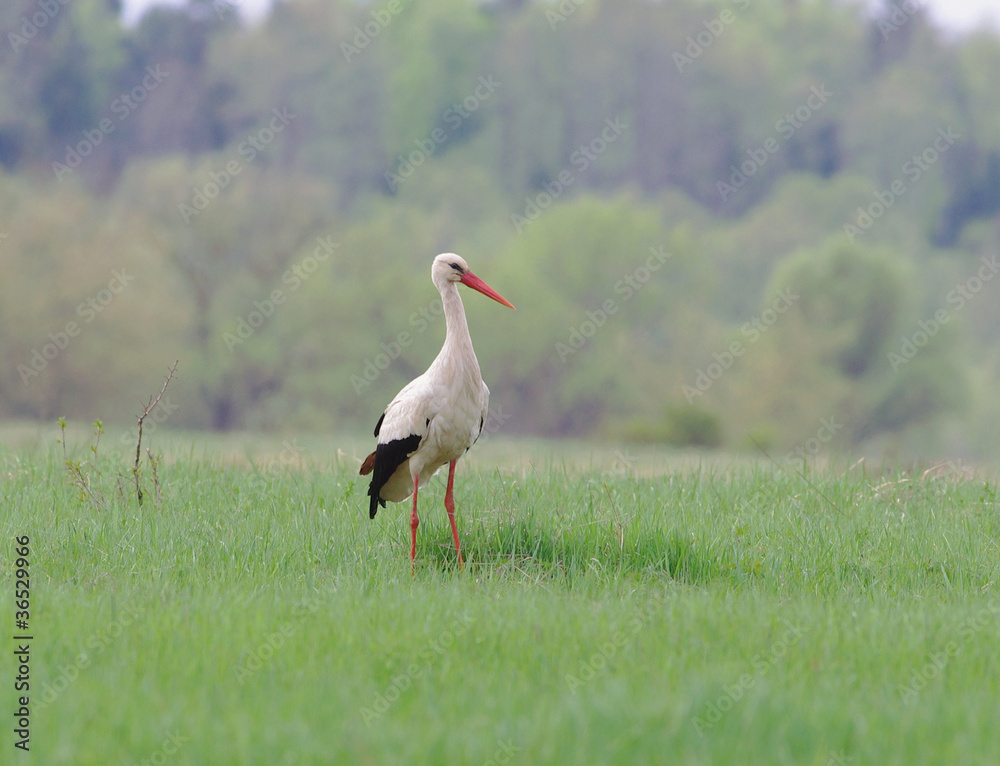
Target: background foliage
(394,131)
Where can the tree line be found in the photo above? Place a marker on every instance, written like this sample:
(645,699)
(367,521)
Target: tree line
(276,192)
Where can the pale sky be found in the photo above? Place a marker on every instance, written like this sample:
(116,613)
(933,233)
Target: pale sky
(961,15)
(251,8)
(966,14)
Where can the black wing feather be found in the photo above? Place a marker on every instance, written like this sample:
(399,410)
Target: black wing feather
(388,457)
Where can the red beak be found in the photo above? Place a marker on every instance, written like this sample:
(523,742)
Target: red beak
(471,280)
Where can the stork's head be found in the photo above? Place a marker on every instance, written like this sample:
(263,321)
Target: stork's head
(449,267)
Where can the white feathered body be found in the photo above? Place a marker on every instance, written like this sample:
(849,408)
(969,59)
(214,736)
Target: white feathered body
(446,407)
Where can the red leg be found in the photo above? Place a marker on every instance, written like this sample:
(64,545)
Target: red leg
(414,521)
(449,504)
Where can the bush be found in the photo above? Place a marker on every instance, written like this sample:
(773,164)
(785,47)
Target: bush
(682,425)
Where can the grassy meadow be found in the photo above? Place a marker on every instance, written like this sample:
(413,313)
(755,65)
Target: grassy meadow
(617,606)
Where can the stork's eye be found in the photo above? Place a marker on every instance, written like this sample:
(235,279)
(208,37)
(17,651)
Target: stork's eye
(456,267)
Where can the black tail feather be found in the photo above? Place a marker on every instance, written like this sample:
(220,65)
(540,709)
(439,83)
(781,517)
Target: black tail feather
(376,502)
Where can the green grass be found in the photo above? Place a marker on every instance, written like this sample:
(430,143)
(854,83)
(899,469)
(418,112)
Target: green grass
(677,612)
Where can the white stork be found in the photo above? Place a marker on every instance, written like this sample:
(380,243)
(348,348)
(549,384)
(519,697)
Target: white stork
(437,416)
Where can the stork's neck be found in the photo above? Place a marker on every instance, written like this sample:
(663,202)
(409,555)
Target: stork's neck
(457,341)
